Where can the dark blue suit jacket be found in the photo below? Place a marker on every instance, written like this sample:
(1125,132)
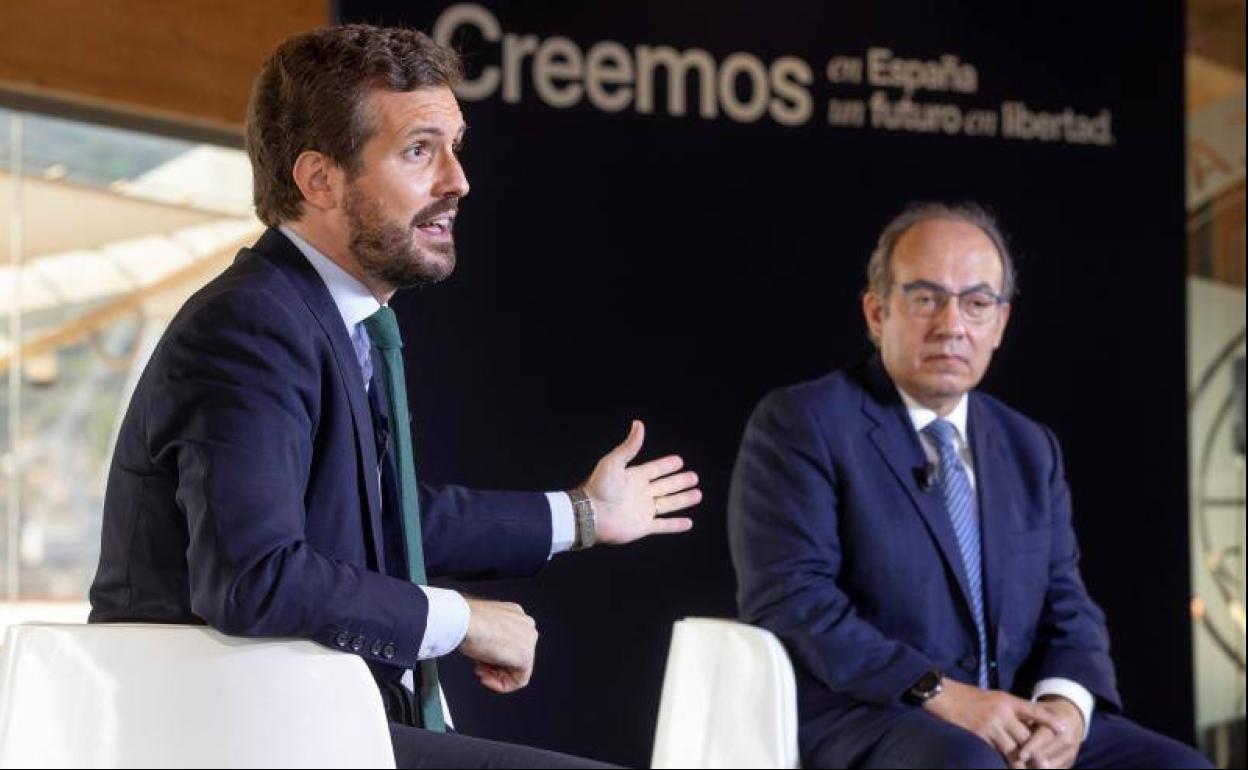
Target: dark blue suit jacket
(244,489)
(842,553)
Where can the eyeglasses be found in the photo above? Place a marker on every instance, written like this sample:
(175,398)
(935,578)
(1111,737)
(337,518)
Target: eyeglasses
(978,305)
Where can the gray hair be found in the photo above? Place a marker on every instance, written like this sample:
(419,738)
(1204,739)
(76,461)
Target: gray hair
(880,268)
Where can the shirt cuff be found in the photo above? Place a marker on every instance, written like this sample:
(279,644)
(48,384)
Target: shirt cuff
(562,522)
(446,625)
(1071,691)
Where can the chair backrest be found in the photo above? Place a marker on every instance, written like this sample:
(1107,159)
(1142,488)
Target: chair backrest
(140,695)
(729,699)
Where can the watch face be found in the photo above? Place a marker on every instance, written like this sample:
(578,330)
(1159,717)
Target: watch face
(927,686)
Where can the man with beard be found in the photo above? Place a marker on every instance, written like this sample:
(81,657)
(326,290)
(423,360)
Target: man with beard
(263,481)
(910,539)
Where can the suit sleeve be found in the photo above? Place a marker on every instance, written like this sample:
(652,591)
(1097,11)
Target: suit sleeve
(473,535)
(234,415)
(783,523)
(1071,640)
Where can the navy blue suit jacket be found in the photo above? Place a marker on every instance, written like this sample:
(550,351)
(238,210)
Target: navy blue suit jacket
(244,489)
(842,553)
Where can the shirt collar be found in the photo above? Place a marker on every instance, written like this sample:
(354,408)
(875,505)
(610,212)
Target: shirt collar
(355,302)
(921,416)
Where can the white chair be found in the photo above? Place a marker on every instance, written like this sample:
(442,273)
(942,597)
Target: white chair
(729,699)
(167,696)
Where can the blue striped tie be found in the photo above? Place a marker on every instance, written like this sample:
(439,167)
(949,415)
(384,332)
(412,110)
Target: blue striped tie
(964,514)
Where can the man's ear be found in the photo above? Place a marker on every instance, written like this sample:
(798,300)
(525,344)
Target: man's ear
(318,178)
(874,310)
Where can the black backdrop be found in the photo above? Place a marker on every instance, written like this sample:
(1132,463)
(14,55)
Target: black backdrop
(676,268)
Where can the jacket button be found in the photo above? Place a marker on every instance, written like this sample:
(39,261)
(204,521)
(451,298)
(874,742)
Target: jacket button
(388,651)
(342,639)
(375,650)
(357,644)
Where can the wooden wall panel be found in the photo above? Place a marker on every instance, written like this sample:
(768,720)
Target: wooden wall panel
(186,60)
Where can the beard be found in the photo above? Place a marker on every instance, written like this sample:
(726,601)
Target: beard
(387,251)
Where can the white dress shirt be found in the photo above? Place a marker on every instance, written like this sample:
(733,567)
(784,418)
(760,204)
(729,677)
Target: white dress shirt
(448,611)
(921,417)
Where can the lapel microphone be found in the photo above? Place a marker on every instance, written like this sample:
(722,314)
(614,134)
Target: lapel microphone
(926,476)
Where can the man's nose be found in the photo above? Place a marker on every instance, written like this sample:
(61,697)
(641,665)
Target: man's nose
(451,181)
(948,321)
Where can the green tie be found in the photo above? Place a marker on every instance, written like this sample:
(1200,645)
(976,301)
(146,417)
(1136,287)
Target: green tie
(383,331)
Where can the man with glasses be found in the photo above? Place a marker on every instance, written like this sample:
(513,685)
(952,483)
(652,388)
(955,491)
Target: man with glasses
(910,540)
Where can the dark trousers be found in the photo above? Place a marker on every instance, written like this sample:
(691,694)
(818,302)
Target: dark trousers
(918,739)
(415,747)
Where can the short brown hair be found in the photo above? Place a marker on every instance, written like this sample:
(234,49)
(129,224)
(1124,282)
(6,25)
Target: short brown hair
(880,266)
(308,96)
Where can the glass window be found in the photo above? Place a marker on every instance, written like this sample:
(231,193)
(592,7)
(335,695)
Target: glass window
(103,235)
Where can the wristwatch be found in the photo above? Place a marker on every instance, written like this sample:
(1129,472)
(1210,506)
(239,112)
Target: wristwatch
(583,510)
(928,687)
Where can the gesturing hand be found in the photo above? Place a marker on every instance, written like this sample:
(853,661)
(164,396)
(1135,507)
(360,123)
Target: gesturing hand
(628,501)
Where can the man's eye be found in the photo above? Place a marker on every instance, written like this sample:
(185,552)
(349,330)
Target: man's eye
(416,151)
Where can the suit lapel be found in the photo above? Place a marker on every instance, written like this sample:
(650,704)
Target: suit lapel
(995,504)
(278,249)
(894,437)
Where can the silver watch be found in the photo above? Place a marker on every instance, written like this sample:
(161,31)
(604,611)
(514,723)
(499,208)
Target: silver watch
(583,510)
